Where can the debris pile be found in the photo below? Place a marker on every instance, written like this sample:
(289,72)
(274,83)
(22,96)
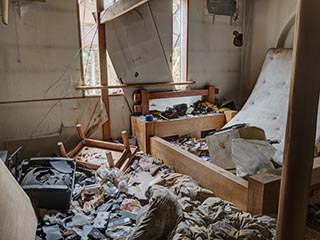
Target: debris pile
(197,108)
(149,201)
(105,202)
(196,146)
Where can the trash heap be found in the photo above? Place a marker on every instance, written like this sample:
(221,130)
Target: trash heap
(149,201)
(197,108)
(196,146)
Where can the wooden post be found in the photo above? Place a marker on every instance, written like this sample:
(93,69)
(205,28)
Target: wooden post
(211,94)
(82,136)
(125,139)
(106,128)
(144,101)
(301,124)
(110,159)
(63,151)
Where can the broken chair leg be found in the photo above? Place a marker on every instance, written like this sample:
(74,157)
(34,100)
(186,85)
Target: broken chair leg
(62,149)
(110,159)
(80,132)
(125,139)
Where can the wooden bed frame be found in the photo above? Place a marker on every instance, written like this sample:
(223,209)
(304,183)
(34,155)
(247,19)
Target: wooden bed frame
(257,195)
(143,130)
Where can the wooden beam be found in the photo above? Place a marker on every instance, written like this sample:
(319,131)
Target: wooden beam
(104,145)
(164,84)
(301,124)
(173,94)
(145,96)
(119,8)
(223,183)
(106,128)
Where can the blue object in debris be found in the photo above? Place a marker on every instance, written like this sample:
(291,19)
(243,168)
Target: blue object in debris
(148,118)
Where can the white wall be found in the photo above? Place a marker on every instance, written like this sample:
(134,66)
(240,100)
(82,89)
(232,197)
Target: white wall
(39,60)
(212,57)
(270,18)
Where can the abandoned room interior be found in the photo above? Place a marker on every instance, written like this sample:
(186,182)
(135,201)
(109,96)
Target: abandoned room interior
(159,119)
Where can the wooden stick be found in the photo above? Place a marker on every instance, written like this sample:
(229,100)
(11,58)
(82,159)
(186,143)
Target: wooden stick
(140,85)
(105,145)
(62,149)
(145,96)
(129,160)
(75,150)
(80,132)
(88,165)
(110,159)
(211,94)
(301,124)
(125,139)
(123,157)
(173,94)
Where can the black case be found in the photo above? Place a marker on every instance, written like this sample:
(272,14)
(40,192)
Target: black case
(49,196)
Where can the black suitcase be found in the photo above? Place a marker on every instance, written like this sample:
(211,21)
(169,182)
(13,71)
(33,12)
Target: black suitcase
(49,181)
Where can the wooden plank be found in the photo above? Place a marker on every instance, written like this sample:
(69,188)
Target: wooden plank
(211,94)
(18,219)
(140,85)
(122,158)
(224,184)
(129,160)
(145,96)
(193,125)
(263,192)
(75,150)
(119,8)
(174,94)
(229,115)
(87,165)
(301,127)
(105,145)
(264,189)
(142,130)
(137,108)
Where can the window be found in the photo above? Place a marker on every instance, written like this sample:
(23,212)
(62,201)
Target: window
(90,50)
(179,39)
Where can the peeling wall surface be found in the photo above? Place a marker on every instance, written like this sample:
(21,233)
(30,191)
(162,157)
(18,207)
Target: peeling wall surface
(212,57)
(39,59)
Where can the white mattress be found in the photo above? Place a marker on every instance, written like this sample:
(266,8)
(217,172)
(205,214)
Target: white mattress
(267,106)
